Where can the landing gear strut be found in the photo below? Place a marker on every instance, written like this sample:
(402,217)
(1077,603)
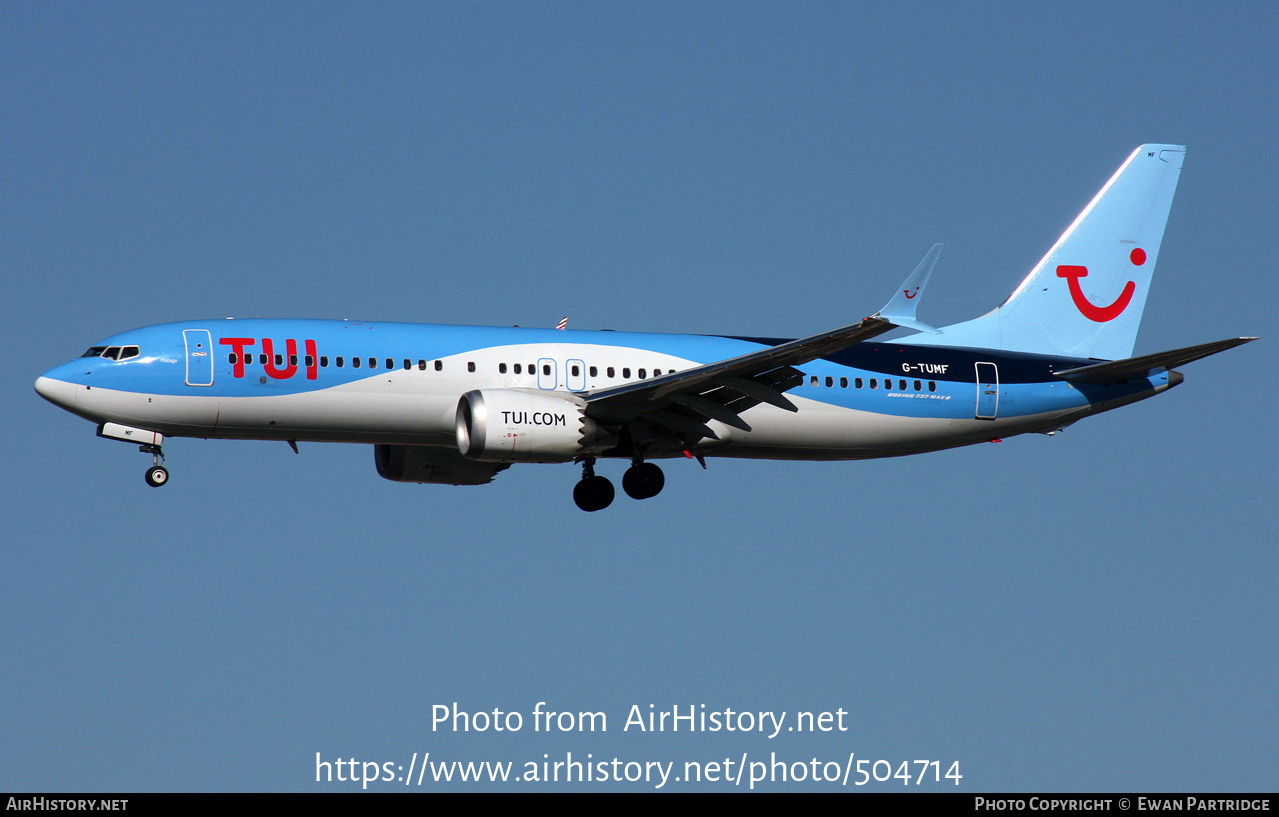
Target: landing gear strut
(592,493)
(643,480)
(157,474)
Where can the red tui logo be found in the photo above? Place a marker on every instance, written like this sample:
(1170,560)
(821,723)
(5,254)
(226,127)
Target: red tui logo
(1091,311)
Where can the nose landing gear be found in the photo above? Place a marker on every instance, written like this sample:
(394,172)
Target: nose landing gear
(157,474)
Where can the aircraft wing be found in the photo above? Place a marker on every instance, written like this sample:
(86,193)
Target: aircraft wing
(683,401)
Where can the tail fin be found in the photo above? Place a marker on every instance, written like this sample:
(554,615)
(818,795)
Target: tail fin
(1085,298)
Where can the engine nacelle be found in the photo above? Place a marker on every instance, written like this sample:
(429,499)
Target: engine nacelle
(506,425)
(442,466)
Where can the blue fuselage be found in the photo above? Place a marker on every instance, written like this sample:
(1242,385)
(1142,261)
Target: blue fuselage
(346,381)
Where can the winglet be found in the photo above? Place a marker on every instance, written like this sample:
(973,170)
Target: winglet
(900,309)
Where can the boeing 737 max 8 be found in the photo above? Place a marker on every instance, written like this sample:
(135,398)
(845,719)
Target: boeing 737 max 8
(457,404)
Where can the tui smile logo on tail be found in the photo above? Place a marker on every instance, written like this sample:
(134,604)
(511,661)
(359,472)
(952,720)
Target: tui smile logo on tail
(1091,311)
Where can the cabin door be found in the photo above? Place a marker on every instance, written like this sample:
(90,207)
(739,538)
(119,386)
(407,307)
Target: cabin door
(199,357)
(987,391)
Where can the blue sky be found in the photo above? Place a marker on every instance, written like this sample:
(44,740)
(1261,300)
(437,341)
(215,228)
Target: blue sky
(1094,611)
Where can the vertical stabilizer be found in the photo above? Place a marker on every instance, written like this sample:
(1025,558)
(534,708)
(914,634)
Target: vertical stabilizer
(1086,296)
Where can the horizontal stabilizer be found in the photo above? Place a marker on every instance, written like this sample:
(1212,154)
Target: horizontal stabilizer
(1145,366)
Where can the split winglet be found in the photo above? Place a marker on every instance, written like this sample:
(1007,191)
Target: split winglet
(900,309)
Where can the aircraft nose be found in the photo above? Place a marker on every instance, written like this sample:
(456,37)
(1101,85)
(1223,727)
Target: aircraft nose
(59,392)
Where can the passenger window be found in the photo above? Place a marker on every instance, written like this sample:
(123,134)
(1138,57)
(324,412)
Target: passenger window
(643,373)
(279,361)
(901,385)
(843,382)
(518,368)
(918,386)
(310,361)
(470,367)
(813,380)
(293,360)
(231,358)
(932,385)
(324,361)
(575,370)
(421,365)
(626,373)
(439,365)
(340,361)
(390,364)
(546,368)
(830,381)
(501,368)
(873,383)
(609,371)
(262,358)
(857,382)
(355,361)
(594,371)
(372,363)
(408,364)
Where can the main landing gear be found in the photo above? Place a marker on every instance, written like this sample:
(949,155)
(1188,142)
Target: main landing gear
(592,493)
(595,493)
(643,480)
(157,474)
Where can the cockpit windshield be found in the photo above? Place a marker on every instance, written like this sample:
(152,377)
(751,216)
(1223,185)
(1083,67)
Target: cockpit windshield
(113,352)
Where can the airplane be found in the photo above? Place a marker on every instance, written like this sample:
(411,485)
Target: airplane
(456,405)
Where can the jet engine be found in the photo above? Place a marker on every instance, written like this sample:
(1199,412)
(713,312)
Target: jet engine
(506,425)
